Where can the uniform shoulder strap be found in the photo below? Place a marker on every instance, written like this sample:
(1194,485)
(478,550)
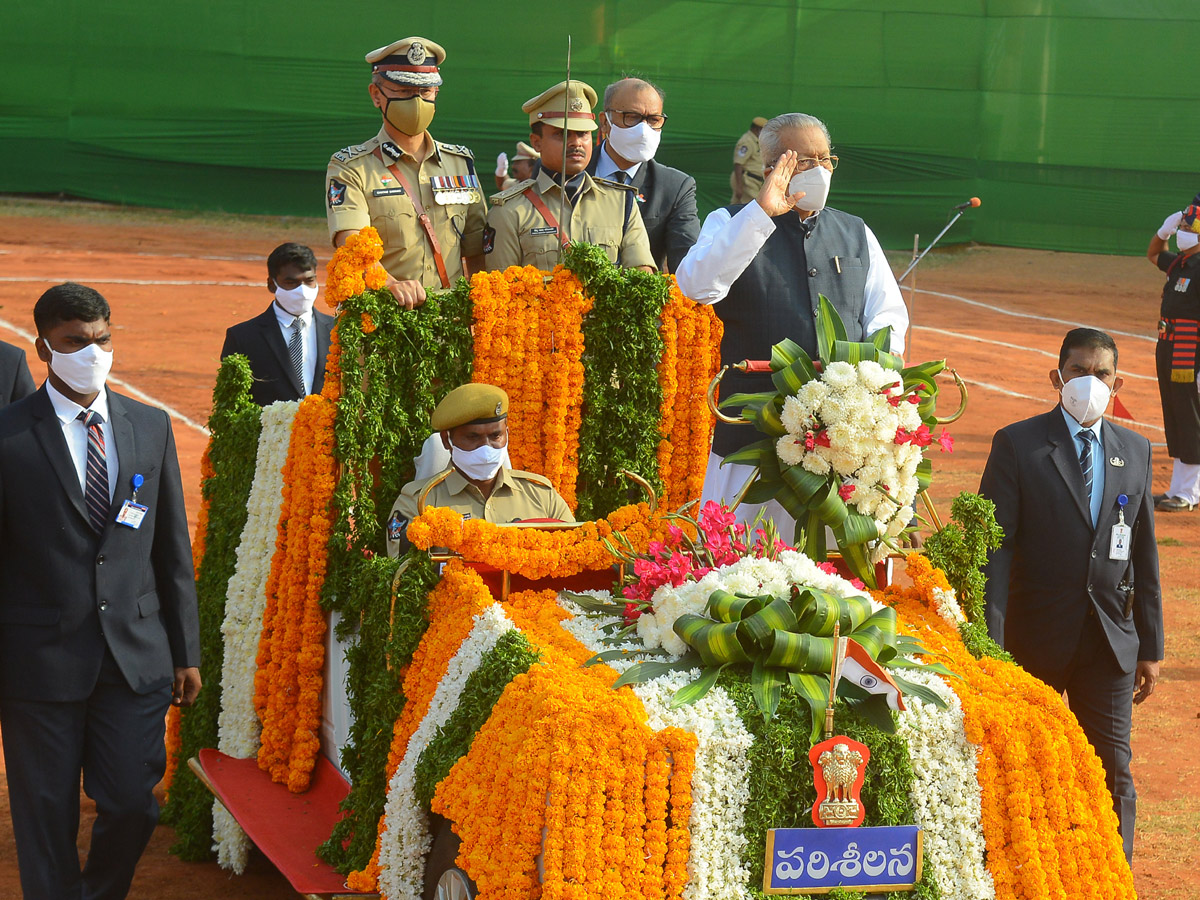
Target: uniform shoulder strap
(515,191)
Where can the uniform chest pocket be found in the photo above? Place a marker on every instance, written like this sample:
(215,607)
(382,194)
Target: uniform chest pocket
(539,247)
(393,216)
(607,237)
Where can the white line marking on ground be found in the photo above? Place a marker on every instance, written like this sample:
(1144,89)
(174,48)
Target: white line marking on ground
(43,280)
(971,337)
(139,394)
(1020,396)
(1040,318)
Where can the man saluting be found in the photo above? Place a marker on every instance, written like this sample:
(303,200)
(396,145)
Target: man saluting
(98,623)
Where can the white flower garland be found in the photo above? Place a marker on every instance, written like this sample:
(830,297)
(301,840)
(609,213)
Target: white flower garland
(748,575)
(405,841)
(720,783)
(946,795)
(238,726)
(947,606)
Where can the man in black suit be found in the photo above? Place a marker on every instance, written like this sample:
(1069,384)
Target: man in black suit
(630,129)
(98,622)
(288,342)
(15,380)
(1072,494)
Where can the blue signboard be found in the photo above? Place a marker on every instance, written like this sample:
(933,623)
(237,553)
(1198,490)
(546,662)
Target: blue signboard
(817,860)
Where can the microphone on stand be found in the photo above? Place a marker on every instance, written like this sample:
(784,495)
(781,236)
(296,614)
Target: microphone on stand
(974,201)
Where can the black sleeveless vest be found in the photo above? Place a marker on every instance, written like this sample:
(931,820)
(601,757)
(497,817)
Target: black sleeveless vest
(776,298)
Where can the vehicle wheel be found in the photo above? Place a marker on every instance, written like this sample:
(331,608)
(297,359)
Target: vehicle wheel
(444,880)
(454,885)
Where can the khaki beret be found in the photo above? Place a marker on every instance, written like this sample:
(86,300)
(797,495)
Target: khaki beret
(548,107)
(760,121)
(470,404)
(414,61)
(524,151)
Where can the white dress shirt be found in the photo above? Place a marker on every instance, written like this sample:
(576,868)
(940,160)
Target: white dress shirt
(76,435)
(308,365)
(728,244)
(606,168)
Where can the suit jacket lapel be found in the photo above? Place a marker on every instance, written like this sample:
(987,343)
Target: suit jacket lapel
(1066,459)
(126,457)
(322,351)
(642,176)
(50,435)
(1113,446)
(274,339)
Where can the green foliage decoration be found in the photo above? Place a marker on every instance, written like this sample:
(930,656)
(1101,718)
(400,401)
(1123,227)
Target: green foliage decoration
(235,426)
(961,548)
(512,655)
(621,394)
(780,777)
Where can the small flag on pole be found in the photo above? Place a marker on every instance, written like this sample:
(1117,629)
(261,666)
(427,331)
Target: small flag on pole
(858,668)
(1120,411)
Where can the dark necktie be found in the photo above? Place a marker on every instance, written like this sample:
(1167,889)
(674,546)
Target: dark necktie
(1086,436)
(296,351)
(622,177)
(95,488)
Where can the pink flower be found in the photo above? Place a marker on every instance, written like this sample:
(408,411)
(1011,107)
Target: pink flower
(656,548)
(675,533)
(913,399)
(823,438)
(922,436)
(809,441)
(828,568)
(902,437)
(858,583)
(946,441)
(632,612)
(846,491)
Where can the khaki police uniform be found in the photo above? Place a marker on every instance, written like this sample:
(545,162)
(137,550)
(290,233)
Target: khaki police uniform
(361,191)
(748,155)
(516,496)
(603,213)
(524,151)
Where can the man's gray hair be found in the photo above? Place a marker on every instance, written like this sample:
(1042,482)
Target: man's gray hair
(611,90)
(768,138)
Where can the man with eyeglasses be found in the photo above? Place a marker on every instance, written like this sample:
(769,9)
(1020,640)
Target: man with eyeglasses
(531,222)
(767,261)
(630,129)
(421,195)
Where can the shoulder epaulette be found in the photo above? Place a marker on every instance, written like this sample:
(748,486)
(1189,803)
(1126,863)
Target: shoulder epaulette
(515,191)
(458,149)
(613,184)
(531,476)
(348,153)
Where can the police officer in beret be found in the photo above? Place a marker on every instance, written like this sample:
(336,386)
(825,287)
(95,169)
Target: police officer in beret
(473,422)
(747,177)
(423,196)
(530,222)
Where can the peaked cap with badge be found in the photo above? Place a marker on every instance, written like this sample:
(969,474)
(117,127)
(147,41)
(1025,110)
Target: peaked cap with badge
(524,151)
(369,184)
(413,61)
(567,102)
(470,404)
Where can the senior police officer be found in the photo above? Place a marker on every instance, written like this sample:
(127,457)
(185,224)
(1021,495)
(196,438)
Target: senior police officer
(747,177)
(765,265)
(473,422)
(421,195)
(523,223)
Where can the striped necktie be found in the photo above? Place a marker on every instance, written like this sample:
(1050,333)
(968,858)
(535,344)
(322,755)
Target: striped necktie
(95,488)
(296,351)
(622,177)
(1086,436)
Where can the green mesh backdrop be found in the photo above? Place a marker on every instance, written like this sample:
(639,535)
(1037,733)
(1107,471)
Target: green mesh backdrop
(1071,119)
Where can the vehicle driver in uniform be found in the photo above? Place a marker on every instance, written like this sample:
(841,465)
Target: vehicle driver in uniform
(523,167)
(747,177)
(523,223)
(422,196)
(473,423)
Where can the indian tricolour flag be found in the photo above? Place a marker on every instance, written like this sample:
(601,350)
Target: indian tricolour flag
(858,668)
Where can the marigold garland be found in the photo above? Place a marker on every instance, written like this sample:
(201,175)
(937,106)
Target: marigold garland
(532,553)
(355,267)
(291,654)
(1047,818)
(173,743)
(691,335)
(529,341)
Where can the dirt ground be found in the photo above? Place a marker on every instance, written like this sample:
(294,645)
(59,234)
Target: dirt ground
(176,281)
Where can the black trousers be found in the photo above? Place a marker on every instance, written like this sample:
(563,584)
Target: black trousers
(1101,697)
(115,738)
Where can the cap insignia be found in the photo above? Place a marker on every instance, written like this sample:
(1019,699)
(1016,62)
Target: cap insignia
(499,408)
(416,53)
(577,104)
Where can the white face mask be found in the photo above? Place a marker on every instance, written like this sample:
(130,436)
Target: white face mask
(83,371)
(1186,240)
(482,463)
(1085,398)
(299,300)
(637,144)
(815,184)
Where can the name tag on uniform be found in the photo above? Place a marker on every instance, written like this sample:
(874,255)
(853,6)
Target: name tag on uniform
(1118,548)
(131,514)
(387,192)
(545,229)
